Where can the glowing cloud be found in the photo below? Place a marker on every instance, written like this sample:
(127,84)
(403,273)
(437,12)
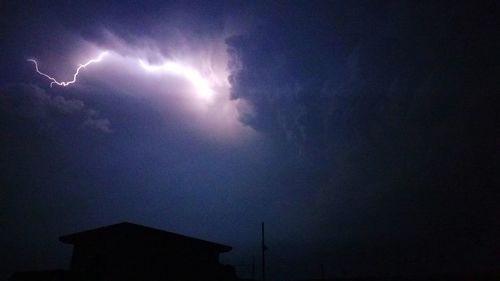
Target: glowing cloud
(190,74)
(201,84)
(202,78)
(63,83)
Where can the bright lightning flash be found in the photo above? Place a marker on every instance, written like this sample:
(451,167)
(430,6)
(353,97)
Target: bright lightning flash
(75,75)
(201,84)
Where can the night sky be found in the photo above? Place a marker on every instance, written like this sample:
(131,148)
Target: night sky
(364,134)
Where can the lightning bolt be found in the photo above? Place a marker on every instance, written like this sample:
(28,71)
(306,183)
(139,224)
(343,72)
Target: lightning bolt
(75,75)
(201,84)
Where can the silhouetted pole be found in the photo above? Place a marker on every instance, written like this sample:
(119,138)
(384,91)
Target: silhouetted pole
(264,248)
(322,272)
(253,267)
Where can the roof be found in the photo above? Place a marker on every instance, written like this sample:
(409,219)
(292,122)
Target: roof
(43,275)
(135,232)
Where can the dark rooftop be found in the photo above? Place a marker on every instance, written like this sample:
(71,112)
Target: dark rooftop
(135,232)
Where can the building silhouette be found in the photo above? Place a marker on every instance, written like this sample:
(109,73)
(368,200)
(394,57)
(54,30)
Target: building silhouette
(132,252)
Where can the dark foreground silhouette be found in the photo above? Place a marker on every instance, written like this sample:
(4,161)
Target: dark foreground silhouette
(131,252)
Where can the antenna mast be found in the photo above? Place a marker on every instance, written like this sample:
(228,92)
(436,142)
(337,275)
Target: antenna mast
(264,248)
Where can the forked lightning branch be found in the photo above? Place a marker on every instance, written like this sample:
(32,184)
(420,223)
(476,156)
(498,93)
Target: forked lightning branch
(200,83)
(75,75)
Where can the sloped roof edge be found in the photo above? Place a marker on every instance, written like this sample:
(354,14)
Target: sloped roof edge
(127,227)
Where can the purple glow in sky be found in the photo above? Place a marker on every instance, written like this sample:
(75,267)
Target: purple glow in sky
(197,79)
(176,68)
(200,83)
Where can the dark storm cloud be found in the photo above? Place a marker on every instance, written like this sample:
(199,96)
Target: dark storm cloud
(392,106)
(50,112)
(323,85)
(306,76)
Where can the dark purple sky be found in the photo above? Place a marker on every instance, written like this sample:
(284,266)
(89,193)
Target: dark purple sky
(364,133)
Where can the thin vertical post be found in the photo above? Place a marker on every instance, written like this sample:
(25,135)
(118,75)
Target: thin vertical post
(253,268)
(263,255)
